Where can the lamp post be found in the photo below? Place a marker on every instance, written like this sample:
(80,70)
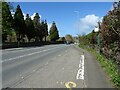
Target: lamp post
(77,15)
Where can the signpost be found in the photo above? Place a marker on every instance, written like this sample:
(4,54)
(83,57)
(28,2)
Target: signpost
(98,42)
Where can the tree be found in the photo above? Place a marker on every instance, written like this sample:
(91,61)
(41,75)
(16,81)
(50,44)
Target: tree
(62,39)
(7,21)
(37,27)
(110,33)
(1,22)
(19,23)
(69,38)
(54,35)
(42,30)
(110,27)
(45,30)
(29,28)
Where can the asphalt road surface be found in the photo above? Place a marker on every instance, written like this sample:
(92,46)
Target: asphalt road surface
(52,66)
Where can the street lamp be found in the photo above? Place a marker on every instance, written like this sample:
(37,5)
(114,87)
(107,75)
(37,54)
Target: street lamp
(77,14)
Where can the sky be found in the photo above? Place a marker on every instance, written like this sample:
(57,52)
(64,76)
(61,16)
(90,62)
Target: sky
(70,17)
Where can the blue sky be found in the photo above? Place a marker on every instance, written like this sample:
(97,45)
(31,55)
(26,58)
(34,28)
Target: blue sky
(63,13)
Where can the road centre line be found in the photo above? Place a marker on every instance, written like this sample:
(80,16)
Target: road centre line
(22,49)
(28,54)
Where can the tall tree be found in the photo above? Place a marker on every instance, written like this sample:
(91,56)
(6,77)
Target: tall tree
(46,30)
(29,28)
(0,22)
(38,32)
(54,35)
(19,23)
(42,30)
(7,21)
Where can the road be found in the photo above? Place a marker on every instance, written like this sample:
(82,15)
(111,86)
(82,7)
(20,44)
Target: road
(52,66)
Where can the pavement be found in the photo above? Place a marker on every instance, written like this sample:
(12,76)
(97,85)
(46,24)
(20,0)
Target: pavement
(52,66)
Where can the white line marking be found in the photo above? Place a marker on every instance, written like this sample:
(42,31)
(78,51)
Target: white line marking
(80,73)
(18,57)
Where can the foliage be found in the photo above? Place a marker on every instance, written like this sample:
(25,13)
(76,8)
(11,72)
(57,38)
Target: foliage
(44,29)
(109,67)
(54,35)
(61,39)
(110,33)
(7,21)
(29,28)
(90,38)
(0,22)
(69,38)
(16,27)
(19,23)
(37,27)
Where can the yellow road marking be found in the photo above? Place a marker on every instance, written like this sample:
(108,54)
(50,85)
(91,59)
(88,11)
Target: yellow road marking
(70,85)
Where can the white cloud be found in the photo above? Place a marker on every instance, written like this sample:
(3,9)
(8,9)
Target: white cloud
(49,25)
(24,16)
(90,20)
(88,23)
(32,16)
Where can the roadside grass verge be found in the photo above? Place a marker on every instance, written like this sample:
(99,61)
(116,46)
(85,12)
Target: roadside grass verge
(107,64)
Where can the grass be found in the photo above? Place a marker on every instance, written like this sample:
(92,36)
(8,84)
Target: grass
(108,65)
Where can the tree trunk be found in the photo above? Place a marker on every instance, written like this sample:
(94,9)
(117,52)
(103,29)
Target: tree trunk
(18,44)
(29,39)
(18,39)
(45,38)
